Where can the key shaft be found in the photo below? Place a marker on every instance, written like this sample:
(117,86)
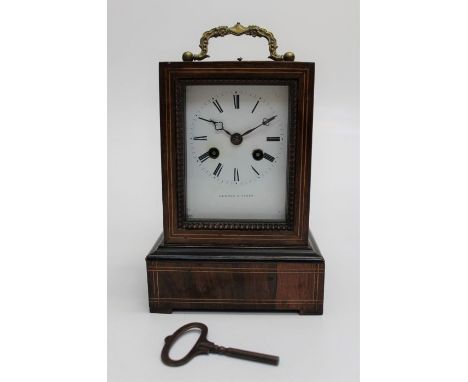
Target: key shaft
(246,355)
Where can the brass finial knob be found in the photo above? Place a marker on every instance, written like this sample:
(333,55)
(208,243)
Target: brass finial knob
(288,56)
(187,56)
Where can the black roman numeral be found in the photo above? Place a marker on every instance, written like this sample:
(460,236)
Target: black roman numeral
(218,169)
(256,172)
(218,106)
(200,138)
(255,106)
(204,157)
(236,101)
(268,157)
(273,139)
(236,175)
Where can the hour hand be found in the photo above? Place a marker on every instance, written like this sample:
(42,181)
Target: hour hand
(217,125)
(207,120)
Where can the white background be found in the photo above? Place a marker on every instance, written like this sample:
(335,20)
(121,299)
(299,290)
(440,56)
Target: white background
(53,193)
(141,33)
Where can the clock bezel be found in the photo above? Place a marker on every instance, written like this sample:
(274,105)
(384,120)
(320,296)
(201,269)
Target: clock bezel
(207,224)
(178,230)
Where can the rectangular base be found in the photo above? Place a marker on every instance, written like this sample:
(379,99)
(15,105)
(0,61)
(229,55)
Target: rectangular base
(236,279)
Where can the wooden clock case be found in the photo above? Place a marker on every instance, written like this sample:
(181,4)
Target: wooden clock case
(239,266)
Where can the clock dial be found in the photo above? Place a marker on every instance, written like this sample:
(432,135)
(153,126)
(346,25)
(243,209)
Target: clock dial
(236,152)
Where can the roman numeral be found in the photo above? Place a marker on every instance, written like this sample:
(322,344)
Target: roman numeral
(204,157)
(236,101)
(218,169)
(256,172)
(268,157)
(200,138)
(236,175)
(273,139)
(255,106)
(218,106)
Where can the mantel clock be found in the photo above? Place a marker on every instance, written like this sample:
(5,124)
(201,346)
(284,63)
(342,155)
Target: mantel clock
(236,143)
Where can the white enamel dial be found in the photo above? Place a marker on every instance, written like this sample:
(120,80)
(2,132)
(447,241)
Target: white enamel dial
(236,152)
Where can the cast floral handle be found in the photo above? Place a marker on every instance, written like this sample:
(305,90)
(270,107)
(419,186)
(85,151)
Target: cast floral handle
(238,30)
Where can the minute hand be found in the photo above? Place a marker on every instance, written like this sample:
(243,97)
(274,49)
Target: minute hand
(265,121)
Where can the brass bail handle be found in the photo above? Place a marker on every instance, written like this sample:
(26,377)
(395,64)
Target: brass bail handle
(238,30)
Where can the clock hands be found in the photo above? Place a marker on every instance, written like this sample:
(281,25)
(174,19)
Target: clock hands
(207,120)
(265,122)
(217,125)
(236,138)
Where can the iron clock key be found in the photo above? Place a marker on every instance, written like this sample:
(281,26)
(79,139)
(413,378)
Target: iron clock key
(203,346)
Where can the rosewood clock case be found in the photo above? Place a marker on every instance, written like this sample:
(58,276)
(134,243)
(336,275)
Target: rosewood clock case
(229,265)
(177,229)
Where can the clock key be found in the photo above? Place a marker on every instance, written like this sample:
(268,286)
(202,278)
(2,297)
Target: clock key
(203,346)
